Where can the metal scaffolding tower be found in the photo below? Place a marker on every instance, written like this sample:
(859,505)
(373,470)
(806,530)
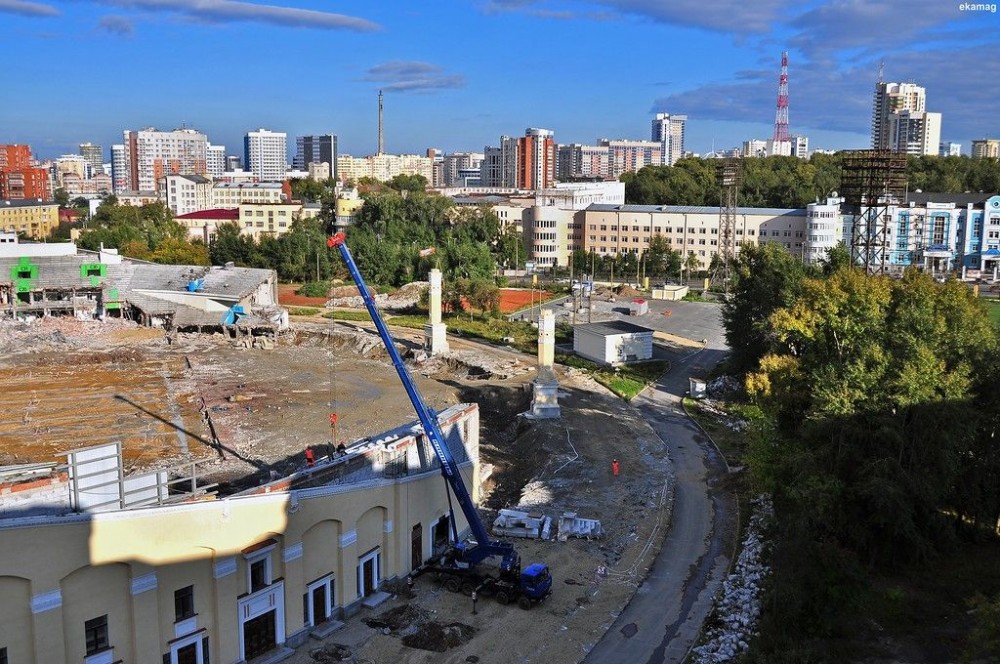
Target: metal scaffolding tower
(871,181)
(730,174)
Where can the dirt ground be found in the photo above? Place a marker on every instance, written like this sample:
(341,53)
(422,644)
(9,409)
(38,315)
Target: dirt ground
(267,405)
(511,299)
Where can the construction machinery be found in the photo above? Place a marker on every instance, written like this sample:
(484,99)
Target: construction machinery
(459,567)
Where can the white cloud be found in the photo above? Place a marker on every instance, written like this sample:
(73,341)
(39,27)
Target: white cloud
(232,10)
(24,8)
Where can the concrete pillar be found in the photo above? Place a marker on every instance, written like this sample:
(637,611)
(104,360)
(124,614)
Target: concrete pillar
(546,339)
(435,332)
(435,296)
(545,399)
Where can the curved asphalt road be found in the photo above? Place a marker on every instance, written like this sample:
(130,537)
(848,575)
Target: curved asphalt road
(664,617)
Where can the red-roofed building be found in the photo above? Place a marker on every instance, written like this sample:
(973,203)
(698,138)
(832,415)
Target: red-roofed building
(201,225)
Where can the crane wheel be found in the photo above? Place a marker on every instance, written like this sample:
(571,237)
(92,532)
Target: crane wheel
(524,602)
(452,585)
(468,587)
(503,598)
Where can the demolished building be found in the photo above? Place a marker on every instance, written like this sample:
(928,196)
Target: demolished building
(59,279)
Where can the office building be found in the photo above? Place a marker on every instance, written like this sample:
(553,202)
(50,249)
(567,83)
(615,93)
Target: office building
(20,179)
(265,154)
(668,131)
(456,168)
(316,150)
(94,156)
(950,149)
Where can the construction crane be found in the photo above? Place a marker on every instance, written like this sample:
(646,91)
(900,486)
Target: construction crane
(459,565)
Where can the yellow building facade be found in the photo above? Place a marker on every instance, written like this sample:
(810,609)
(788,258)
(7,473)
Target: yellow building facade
(229,579)
(35,219)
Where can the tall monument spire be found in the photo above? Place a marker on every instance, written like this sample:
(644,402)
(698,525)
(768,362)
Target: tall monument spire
(381,137)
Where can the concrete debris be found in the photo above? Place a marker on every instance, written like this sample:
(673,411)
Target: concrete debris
(724,386)
(511,523)
(738,608)
(532,525)
(570,525)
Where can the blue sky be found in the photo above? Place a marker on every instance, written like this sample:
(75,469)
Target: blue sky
(458,74)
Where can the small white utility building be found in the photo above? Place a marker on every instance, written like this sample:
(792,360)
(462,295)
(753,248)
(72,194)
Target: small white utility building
(613,342)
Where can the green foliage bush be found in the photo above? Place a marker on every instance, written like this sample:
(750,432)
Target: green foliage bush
(314,289)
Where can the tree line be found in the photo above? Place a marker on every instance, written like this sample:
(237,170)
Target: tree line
(877,411)
(789,182)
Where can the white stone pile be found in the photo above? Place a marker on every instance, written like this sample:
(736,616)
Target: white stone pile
(738,608)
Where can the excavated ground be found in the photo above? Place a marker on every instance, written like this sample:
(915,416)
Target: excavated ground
(72,382)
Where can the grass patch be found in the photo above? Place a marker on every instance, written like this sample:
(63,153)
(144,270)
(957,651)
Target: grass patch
(303,311)
(993,310)
(517,334)
(625,381)
(348,315)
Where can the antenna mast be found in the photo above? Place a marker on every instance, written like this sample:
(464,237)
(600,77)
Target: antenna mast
(781,116)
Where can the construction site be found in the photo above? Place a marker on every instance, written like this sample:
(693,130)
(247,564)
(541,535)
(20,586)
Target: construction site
(587,492)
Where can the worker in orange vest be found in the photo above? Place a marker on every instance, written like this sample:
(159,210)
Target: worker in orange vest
(310,457)
(615,467)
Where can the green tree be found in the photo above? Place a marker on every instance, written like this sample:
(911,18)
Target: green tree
(765,278)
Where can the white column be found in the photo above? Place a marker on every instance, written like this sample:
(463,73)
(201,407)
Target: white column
(545,400)
(435,332)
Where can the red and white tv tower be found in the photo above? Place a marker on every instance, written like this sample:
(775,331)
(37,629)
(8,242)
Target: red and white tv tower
(781,116)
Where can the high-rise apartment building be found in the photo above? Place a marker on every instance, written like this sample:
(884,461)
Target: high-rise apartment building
(626,156)
(499,166)
(19,179)
(149,154)
(583,161)
(891,98)
(986,148)
(15,156)
(265,154)
(94,156)
(668,131)
(215,160)
(915,132)
(320,149)
(536,159)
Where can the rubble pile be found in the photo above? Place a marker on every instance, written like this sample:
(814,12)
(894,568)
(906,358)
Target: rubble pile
(738,608)
(723,386)
(627,291)
(404,298)
(54,332)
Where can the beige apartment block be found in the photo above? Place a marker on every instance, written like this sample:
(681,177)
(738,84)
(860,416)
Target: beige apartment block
(610,230)
(267,219)
(232,194)
(235,578)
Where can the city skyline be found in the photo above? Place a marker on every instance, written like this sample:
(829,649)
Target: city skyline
(458,75)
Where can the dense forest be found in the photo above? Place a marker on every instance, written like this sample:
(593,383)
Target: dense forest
(789,182)
(874,429)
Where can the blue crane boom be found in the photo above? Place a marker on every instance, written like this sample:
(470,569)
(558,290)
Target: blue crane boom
(484,547)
